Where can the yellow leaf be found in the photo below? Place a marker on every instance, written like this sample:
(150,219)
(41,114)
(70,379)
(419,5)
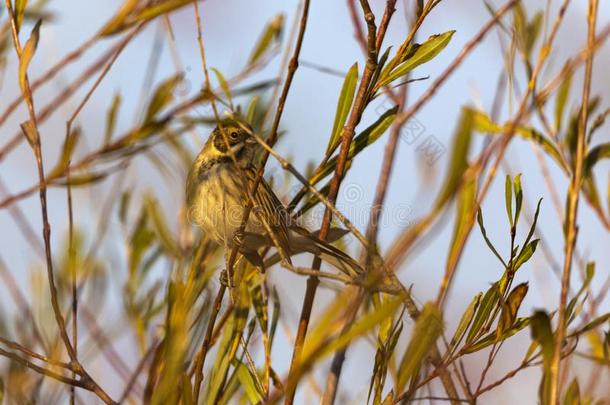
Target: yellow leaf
(27,54)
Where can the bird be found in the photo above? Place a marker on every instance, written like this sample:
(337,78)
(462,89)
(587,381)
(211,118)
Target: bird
(218,188)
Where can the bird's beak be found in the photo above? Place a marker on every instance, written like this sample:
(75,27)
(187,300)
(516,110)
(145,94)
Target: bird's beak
(251,141)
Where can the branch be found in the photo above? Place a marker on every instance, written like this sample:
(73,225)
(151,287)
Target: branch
(572,208)
(346,140)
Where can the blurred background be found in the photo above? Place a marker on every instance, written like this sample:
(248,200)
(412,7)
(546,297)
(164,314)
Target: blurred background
(230,30)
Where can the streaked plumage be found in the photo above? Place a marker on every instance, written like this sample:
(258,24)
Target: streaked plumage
(217,194)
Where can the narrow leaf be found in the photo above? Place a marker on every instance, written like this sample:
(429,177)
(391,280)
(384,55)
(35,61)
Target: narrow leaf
(560,101)
(426,52)
(111,117)
(484,233)
(20,6)
(488,303)
(511,307)
(466,320)
(525,254)
(428,328)
(248,383)
(459,158)
(595,155)
(163,95)
(344,105)
(518,197)
(271,34)
(362,140)
(484,124)
(224,85)
(27,54)
(118,19)
(508,199)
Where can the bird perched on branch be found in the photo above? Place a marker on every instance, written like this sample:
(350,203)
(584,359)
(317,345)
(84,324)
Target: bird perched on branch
(219,186)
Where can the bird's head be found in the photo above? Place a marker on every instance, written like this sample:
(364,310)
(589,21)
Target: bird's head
(230,139)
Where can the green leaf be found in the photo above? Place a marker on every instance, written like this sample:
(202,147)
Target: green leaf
(518,197)
(30,132)
(259,303)
(379,70)
(20,6)
(111,117)
(232,334)
(426,52)
(520,24)
(124,205)
(248,383)
(343,106)
(164,94)
(572,395)
(251,111)
(459,158)
(484,233)
(560,101)
(272,33)
(428,328)
(114,25)
(466,320)
(66,154)
(159,9)
(511,307)
(525,254)
(508,199)
(488,303)
(484,124)
(599,121)
(160,227)
(533,227)
(493,337)
(224,85)
(275,315)
(27,54)
(595,155)
(533,31)
(362,140)
(84,179)
(606,344)
(363,325)
(570,139)
(187,390)
(600,320)
(542,333)
(463,221)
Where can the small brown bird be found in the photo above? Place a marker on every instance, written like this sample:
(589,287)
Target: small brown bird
(217,191)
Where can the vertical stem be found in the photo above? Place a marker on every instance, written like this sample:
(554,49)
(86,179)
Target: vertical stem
(572,208)
(346,140)
(30,130)
(72,267)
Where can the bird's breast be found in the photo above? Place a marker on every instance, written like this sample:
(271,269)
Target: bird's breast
(219,202)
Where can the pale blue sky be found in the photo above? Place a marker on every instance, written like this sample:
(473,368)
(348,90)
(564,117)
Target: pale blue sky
(230,29)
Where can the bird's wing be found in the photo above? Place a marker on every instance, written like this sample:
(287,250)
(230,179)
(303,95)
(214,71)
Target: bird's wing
(271,211)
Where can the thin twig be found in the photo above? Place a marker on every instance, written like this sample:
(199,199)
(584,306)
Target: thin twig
(136,373)
(347,135)
(72,270)
(30,130)
(572,207)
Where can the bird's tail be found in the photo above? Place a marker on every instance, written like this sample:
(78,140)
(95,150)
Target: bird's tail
(303,241)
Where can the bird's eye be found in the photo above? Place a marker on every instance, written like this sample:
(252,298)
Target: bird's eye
(233,135)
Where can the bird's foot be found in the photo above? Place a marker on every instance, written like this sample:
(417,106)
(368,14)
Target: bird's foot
(225,279)
(238,238)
